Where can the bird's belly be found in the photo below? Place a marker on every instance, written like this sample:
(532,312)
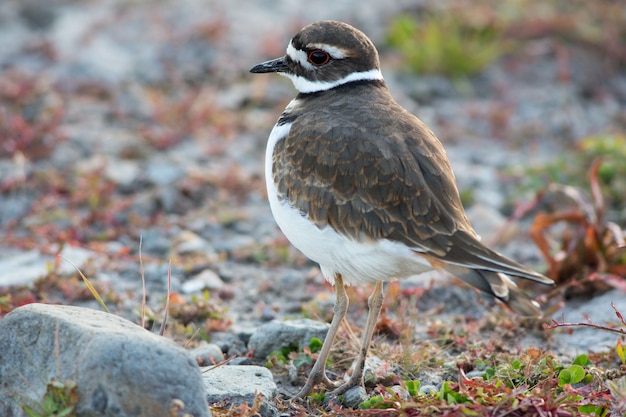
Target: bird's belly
(357,261)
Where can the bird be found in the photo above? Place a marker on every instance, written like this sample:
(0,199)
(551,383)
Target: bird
(364,188)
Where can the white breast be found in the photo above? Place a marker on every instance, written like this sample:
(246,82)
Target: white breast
(358,262)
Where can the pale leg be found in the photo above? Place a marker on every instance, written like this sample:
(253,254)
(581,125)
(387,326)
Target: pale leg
(374,303)
(318,373)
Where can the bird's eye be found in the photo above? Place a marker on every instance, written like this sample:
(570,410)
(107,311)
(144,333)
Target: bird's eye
(319,57)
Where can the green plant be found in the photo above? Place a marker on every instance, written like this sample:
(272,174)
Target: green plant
(413,387)
(315,345)
(292,353)
(377,402)
(619,349)
(573,374)
(60,397)
(450,395)
(59,400)
(445,43)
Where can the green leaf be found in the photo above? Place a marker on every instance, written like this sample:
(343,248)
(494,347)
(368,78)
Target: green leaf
(278,355)
(591,409)
(375,402)
(564,377)
(315,345)
(65,412)
(577,372)
(30,412)
(286,350)
(582,360)
(413,387)
(48,405)
(572,375)
(468,412)
(449,395)
(318,398)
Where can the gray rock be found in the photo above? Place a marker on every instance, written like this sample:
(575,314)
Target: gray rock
(429,389)
(156,276)
(168,198)
(207,354)
(14,206)
(187,242)
(154,242)
(25,267)
(376,370)
(453,300)
(354,396)
(234,241)
(238,384)
(123,172)
(241,360)
(430,378)
(119,368)
(487,221)
(163,172)
(401,392)
(205,279)
(587,339)
(268,313)
(475,374)
(230,343)
(275,335)
(21,268)
(38,15)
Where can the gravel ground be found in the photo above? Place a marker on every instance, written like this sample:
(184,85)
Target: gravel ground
(152,130)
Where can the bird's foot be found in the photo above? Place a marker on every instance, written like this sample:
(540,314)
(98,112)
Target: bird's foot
(312,381)
(354,381)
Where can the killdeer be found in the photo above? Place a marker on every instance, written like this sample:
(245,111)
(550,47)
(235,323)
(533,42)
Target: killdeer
(365,189)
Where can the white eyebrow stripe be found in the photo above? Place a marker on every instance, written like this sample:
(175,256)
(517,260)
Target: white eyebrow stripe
(337,53)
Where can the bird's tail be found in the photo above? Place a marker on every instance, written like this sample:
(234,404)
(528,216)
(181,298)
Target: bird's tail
(500,286)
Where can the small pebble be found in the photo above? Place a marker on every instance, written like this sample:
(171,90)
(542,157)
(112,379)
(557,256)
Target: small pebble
(428,389)
(208,354)
(475,374)
(206,279)
(354,396)
(401,392)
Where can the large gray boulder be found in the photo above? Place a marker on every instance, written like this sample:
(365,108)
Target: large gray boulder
(119,368)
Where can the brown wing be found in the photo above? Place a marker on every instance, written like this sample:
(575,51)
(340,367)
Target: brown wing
(374,180)
(369,179)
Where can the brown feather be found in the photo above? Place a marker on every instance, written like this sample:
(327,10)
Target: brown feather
(342,166)
(389,181)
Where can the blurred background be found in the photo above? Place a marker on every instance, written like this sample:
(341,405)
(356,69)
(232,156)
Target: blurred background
(137,121)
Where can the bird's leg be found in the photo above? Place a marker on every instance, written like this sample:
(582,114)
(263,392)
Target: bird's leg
(374,303)
(318,373)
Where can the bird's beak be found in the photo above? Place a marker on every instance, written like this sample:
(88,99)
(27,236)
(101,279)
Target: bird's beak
(275,65)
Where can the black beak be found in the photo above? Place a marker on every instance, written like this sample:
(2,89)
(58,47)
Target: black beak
(275,65)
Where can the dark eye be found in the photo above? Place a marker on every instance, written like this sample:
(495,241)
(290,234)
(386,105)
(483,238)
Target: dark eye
(318,57)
